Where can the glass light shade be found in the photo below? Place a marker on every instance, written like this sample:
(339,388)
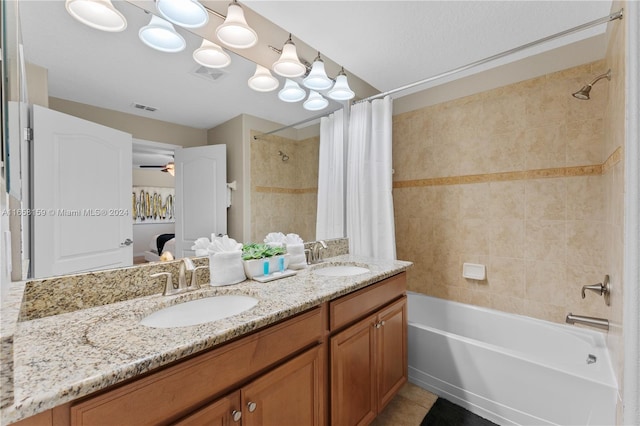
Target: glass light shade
(162,36)
(211,55)
(186,13)
(341,90)
(289,65)
(291,92)
(315,101)
(262,80)
(234,31)
(98,14)
(317,78)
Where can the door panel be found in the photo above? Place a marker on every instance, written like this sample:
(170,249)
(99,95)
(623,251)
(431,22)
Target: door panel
(81,195)
(200,205)
(392,350)
(353,396)
(289,395)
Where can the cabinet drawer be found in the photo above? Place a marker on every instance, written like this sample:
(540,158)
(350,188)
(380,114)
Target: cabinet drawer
(353,306)
(175,391)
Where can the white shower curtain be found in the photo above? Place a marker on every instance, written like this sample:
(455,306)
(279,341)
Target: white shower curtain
(370,221)
(330,212)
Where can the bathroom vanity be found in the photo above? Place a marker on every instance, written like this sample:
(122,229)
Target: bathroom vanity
(296,358)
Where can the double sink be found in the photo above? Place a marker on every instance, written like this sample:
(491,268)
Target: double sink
(215,308)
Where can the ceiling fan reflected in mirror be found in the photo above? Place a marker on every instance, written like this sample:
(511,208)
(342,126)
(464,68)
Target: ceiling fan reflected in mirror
(168,168)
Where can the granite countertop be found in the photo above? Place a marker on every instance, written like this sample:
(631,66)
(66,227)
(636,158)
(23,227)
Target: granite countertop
(59,358)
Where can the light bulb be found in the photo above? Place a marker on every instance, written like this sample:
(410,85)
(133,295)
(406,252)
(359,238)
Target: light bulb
(315,101)
(211,55)
(186,13)
(234,31)
(289,65)
(161,35)
(291,92)
(262,80)
(98,14)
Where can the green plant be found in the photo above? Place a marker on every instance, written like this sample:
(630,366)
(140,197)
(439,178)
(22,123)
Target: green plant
(259,251)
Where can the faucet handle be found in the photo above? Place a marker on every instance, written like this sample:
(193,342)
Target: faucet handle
(603,289)
(168,287)
(194,277)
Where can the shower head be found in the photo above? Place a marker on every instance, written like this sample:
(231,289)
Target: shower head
(583,94)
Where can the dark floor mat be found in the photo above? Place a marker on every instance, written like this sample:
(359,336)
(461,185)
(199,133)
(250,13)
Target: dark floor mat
(445,413)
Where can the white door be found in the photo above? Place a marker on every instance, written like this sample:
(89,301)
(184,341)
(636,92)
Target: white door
(201,204)
(81,195)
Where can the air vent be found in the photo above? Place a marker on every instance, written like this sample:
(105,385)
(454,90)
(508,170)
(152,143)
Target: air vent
(143,107)
(210,74)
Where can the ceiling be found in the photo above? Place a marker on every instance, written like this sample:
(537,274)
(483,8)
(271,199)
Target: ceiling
(381,44)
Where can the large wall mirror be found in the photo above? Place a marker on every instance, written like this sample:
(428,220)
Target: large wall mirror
(115,80)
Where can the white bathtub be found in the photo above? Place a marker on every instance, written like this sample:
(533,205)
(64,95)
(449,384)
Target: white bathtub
(509,368)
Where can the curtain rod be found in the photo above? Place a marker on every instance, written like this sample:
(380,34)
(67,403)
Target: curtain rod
(306,120)
(603,20)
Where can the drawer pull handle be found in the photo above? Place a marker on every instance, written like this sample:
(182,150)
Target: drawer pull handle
(251,406)
(236,415)
(378,324)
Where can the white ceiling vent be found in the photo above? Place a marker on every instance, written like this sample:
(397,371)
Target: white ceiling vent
(144,107)
(210,74)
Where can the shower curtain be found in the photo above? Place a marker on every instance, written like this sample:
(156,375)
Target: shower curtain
(370,221)
(330,212)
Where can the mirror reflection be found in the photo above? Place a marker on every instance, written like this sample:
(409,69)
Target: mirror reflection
(167,103)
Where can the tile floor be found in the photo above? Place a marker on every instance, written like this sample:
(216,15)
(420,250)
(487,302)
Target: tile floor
(407,408)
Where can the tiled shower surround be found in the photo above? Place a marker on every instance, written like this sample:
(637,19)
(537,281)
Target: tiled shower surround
(284,193)
(515,178)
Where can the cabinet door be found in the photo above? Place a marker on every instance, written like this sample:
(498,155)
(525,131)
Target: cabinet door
(223,412)
(292,394)
(391,341)
(353,384)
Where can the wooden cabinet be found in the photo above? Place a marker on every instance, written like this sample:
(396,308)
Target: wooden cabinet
(368,359)
(288,395)
(175,392)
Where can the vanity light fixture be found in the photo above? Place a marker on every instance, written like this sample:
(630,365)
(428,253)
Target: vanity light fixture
(291,92)
(315,102)
(186,13)
(289,64)
(341,90)
(234,31)
(317,78)
(98,14)
(262,80)
(211,55)
(161,35)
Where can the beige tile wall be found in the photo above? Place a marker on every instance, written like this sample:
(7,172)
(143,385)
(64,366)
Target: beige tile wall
(284,193)
(511,178)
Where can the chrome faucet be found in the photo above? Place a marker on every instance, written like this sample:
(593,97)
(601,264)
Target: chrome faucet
(316,251)
(590,321)
(186,264)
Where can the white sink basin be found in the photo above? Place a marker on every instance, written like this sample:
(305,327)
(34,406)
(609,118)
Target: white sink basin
(199,311)
(341,271)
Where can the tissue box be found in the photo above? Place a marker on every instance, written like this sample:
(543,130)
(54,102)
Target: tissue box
(255,267)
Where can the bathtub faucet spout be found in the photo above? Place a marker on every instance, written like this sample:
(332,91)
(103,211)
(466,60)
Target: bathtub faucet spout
(590,321)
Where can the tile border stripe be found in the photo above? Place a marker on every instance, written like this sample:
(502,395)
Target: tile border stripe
(558,172)
(278,190)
